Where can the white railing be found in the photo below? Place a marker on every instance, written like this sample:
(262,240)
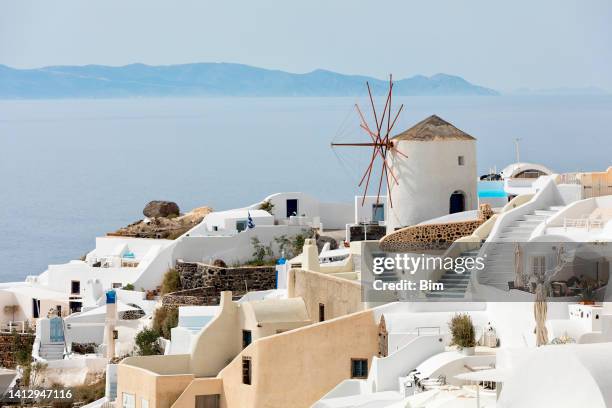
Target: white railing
(587,223)
(568,178)
(14,326)
(520,182)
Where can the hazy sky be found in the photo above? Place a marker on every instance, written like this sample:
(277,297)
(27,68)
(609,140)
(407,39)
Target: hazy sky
(501,44)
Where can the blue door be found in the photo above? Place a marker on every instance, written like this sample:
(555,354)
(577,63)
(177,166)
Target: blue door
(57,330)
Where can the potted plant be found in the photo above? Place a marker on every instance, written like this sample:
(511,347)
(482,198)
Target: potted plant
(587,297)
(463,333)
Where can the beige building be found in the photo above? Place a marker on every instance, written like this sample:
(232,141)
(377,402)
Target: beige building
(268,353)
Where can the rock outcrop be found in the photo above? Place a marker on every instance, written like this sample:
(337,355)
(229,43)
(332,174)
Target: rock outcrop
(164,209)
(170,227)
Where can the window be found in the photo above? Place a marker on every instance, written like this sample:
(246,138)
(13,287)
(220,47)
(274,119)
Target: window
(321,312)
(241,225)
(246,370)
(539,265)
(128,400)
(144,403)
(246,338)
(378,212)
(75,287)
(35,308)
(74,307)
(207,401)
(461,160)
(359,368)
(117,285)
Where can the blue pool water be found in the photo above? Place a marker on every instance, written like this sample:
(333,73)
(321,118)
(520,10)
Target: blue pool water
(491,193)
(489,189)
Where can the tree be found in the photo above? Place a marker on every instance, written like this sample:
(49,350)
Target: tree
(146,342)
(11,309)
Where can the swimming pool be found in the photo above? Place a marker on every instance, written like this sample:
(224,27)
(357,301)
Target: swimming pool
(491,189)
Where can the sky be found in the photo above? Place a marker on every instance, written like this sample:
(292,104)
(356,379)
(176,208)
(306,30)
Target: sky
(505,45)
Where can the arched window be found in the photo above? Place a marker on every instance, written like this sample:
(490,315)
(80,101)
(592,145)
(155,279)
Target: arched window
(457,202)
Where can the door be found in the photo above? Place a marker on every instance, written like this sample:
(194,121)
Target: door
(246,338)
(378,212)
(207,401)
(457,202)
(56,330)
(292,207)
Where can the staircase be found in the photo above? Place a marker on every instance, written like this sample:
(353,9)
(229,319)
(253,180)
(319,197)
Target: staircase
(455,283)
(499,265)
(51,351)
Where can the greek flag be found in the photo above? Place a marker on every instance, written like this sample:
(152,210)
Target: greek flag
(250,223)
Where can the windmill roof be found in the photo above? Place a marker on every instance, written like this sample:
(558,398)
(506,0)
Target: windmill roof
(431,129)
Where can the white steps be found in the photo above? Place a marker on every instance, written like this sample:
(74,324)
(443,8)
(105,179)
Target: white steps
(51,351)
(499,267)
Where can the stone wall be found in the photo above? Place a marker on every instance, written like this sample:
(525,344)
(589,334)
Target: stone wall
(9,345)
(371,232)
(433,236)
(192,297)
(202,283)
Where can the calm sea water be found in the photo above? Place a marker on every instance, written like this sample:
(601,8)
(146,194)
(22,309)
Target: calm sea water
(74,169)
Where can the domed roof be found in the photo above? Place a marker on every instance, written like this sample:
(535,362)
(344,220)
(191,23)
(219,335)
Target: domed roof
(433,128)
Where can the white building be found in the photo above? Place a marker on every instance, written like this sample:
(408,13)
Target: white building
(437,177)
(116,262)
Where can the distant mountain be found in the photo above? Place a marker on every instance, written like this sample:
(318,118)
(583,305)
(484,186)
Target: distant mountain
(209,79)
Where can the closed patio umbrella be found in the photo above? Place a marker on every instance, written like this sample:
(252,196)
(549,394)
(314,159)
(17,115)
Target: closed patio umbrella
(519,279)
(540,310)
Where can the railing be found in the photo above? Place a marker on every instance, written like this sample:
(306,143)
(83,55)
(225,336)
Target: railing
(519,182)
(14,325)
(587,223)
(568,178)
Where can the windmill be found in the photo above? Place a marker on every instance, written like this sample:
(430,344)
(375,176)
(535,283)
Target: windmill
(379,142)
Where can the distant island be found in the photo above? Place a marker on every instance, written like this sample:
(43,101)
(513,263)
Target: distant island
(210,79)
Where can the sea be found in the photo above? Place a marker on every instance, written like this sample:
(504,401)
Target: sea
(72,170)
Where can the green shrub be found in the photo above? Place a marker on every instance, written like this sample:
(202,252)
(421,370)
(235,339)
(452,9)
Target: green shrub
(164,320)
(171,282)
(297,244)
(262,254)
(293,246)
(462,330)
(146,342)
(266,206)
(129,286)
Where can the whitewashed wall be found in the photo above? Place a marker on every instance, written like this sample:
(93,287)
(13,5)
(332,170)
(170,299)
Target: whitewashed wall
(363,212)
(332,215)
(428,178)
(234,248)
